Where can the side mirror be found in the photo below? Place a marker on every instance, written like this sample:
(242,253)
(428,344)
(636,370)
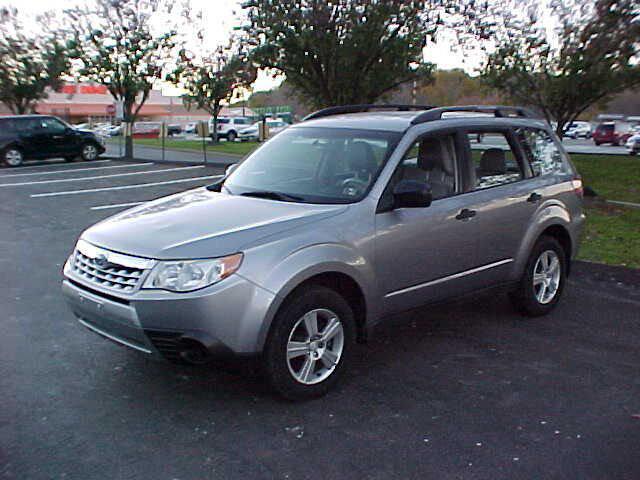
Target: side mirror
(230,169)
(411,194)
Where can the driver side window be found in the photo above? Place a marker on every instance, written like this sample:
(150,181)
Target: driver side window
(52,125)
(431,160)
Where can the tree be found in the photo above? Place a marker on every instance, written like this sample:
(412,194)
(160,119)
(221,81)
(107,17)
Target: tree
(29,65)
(213,79)
(341,52)
(591,56)
(115,44)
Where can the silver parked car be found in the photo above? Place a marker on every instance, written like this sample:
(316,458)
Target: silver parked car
(354,214)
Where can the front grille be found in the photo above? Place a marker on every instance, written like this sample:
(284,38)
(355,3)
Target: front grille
(109,275)
(108,270)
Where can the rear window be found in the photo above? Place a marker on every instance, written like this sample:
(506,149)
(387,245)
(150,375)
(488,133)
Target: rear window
(606,128)
(543,153)
(223,120)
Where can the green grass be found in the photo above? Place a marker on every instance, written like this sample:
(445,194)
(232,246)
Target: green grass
(614,177)
(232,148)
(612,233)
(612,236)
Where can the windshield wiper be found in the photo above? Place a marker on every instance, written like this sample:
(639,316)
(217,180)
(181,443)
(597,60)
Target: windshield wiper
(273,195)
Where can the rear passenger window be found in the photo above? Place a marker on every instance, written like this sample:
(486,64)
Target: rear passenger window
(494,162)
(542,151)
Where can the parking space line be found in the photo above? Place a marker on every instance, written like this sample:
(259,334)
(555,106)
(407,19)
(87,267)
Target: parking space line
(99,177)
(117,205)
(123,187)
(62,164)
(129,165)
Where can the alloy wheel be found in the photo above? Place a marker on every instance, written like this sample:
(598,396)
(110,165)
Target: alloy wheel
(89,152)
(546,276)
(315,346)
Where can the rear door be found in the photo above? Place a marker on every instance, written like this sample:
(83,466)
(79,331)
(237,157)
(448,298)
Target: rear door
(503,196)
(35,139)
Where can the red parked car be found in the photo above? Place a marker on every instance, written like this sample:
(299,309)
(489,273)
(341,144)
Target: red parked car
(612,133)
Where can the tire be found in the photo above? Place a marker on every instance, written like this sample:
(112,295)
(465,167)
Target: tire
(89,152)
(615,143)
(316,365)
(529,298)
(597,143)
(231,136)
(12,157)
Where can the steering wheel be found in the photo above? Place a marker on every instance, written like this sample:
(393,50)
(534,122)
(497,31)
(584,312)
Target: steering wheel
(353,187)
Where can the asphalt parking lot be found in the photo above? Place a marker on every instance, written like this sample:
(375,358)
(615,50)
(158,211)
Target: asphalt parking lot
(460,391)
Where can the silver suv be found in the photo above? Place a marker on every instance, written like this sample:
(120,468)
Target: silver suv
(356,213)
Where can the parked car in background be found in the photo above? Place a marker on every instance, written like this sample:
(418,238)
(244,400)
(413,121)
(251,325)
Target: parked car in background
(332,226)
(633,144)
(578,130)
(146,130)
(36,137)
(228,127)
(109,130)
(173,130)
(190,127)
(251,133)
(615,133)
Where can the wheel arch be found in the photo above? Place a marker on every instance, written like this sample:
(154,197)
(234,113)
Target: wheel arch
(337,279)
(555,221)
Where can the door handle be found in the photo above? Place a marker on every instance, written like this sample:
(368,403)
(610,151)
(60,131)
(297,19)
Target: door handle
(465,214)
(534,197)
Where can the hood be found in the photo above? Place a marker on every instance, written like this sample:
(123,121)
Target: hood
(201,224)
(86,133)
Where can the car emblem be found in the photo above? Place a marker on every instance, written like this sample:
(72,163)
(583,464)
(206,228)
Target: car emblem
(101,260)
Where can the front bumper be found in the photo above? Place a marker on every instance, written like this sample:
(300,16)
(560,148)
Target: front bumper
(221,321)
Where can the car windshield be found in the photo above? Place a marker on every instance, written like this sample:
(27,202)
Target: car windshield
(314,165)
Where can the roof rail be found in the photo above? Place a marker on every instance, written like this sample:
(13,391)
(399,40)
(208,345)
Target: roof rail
(496,110)
(326,112)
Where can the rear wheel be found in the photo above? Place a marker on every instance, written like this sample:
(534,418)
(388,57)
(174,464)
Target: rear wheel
(13,157)
(310,343)
(231,136)
(541,285)
(89,152)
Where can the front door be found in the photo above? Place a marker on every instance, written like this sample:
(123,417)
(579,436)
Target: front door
(62,139)
(427,254)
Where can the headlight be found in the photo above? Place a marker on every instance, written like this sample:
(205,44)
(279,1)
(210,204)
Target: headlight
(189,275)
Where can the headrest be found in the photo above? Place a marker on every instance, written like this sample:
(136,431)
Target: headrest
(432,154)
(493,161)
(361,157)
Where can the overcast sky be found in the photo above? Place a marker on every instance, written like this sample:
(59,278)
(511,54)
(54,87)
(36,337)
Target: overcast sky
(220,19)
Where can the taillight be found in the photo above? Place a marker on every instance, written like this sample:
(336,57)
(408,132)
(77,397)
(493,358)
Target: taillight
(578,189)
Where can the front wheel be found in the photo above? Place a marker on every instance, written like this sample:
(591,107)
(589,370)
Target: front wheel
(541,285)
(89,152)
(310,343)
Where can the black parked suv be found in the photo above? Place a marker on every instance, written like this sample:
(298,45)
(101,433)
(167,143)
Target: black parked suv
(31,137)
